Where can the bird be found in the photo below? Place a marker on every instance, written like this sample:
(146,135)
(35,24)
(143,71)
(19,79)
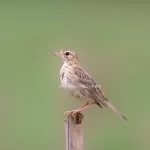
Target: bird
(75,80)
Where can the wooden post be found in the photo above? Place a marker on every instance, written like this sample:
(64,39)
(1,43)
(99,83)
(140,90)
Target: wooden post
(73,131)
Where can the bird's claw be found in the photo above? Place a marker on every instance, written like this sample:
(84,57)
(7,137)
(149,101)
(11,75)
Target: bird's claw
(72,112)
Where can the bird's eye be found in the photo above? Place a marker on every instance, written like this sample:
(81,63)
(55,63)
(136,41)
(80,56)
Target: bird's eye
(67,53)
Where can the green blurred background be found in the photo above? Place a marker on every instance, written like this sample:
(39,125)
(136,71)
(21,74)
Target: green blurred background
(113,44)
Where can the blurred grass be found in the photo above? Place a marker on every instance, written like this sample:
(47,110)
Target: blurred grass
(112,42)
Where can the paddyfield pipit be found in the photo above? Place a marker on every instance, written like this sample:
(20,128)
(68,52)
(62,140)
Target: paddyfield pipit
(80,84)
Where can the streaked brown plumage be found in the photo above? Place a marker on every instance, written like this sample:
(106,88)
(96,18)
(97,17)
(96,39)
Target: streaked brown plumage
(80,84)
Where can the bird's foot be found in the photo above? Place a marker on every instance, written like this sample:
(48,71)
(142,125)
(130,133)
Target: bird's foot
(72,112)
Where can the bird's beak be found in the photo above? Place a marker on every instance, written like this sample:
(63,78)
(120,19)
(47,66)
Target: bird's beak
(56,53)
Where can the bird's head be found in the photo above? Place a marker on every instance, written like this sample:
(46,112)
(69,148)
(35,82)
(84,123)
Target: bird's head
(68,56)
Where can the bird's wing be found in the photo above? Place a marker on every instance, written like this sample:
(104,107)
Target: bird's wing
(84,80)
(96,92)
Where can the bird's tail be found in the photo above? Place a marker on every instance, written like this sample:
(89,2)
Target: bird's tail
(114,109)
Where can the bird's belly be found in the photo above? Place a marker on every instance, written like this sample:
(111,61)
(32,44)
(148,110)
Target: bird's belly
(78,94)
(75,91)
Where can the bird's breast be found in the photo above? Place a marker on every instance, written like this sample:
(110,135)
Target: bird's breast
(66,80)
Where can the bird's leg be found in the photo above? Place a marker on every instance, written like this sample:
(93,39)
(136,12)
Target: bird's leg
(83,107)
(78,110)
